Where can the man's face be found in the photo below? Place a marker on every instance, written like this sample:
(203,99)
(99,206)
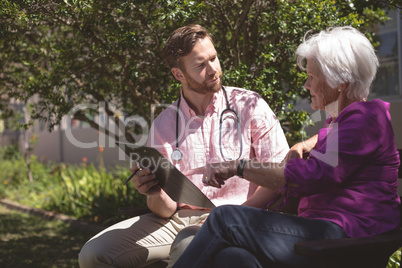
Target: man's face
(201,68)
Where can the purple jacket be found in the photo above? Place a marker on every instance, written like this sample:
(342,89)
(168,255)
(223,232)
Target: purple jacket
(351,178)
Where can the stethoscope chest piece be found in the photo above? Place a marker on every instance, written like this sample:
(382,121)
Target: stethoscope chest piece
(177,155)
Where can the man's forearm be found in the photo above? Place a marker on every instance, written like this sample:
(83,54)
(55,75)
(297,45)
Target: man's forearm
(162,205)
(309,144)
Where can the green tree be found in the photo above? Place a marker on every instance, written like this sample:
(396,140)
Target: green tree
(107,54)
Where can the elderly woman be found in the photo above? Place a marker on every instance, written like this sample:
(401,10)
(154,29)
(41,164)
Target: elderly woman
(347,186)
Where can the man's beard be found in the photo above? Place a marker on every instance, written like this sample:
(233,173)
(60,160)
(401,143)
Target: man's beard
(203,88)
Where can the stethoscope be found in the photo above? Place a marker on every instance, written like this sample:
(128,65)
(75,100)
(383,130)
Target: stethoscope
(177,155)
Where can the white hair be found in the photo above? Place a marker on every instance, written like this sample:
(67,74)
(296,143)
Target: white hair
(345,55)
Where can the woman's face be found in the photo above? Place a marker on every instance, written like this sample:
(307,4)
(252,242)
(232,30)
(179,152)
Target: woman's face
(321,93)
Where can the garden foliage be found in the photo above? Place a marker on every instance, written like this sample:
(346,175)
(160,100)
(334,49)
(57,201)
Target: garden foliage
(85,191)
(71,52)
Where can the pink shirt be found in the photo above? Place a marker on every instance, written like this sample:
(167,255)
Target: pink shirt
(261,133)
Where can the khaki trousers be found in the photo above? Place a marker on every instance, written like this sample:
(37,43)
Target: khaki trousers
(141,241)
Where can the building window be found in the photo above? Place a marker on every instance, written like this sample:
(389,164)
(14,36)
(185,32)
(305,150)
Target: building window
(389,75)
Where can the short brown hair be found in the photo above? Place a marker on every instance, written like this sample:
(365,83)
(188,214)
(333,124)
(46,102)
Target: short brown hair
(181,42)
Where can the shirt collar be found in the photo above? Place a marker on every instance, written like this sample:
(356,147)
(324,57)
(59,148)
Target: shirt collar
(213,105)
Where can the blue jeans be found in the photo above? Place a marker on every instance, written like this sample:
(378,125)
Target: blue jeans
(234,236)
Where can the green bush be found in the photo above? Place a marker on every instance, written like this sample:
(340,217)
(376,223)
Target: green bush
(12,167)
(84,191)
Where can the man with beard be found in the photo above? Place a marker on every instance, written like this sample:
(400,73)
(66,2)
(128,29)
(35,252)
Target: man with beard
(189,133)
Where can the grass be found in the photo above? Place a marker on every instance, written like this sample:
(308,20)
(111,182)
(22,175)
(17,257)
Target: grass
(30,241)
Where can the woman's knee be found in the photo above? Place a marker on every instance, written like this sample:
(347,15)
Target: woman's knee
(222,213)
(234,257)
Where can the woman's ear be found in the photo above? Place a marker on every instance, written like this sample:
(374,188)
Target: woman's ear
(178,74)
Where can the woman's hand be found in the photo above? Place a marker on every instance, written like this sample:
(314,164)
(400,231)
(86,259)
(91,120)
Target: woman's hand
(296,151)
(216,173)
(301,148)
